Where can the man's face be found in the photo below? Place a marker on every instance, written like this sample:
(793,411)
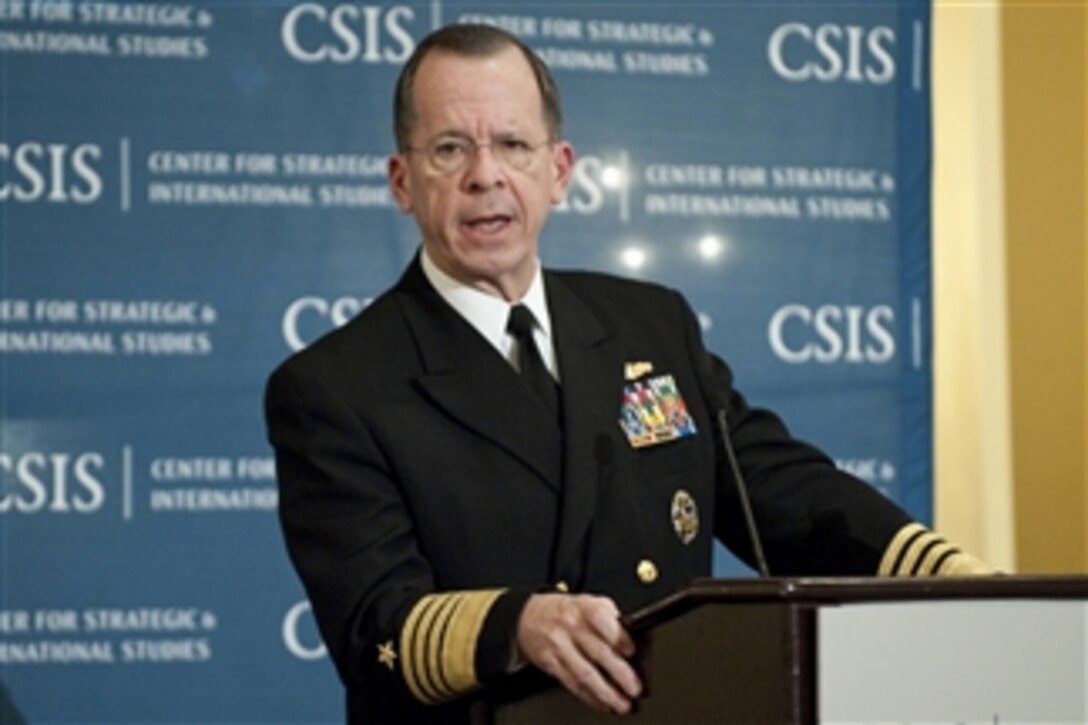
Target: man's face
(480,223)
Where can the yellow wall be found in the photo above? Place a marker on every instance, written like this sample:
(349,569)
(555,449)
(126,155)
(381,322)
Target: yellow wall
(1044,84)
(973,491)
(1010,271)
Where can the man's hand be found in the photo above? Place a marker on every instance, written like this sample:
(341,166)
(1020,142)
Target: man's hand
(578,640)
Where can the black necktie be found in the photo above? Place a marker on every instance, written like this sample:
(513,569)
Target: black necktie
(530,364)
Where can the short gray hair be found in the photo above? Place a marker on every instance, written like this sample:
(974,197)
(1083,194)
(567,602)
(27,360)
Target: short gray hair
(471,40)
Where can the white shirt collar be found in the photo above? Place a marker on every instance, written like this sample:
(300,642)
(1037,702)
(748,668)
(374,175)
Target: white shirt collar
(488,313)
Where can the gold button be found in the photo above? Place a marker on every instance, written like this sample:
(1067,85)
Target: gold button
(647,571)
(562,586)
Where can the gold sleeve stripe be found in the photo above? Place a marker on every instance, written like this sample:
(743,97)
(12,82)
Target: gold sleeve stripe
(961,564)
(419,639)
(930,559)
(893,555)
(917,551)
(438,643)
(946,556)
(914,553)
(412,648)
(432,635)
(460,660)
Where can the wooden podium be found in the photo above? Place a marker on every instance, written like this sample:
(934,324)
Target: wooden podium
(749,651)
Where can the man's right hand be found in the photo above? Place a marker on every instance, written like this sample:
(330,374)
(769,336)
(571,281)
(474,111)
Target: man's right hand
(578,639)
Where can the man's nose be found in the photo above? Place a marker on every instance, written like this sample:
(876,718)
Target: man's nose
(484,169)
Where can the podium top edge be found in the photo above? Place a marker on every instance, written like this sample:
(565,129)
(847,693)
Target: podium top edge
(834,591)
(861,589)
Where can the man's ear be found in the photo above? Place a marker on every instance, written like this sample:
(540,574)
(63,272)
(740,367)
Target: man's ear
(563,165)
(400,182)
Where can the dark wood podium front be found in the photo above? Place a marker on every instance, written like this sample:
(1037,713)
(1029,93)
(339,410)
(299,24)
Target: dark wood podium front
(745,651)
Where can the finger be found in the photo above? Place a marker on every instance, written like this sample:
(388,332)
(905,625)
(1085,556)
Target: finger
(605,621)
(582,677)
(621,673)
(615,667)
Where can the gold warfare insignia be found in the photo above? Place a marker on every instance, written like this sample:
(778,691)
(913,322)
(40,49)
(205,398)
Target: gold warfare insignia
(635,370)
(653,411)
(685,516)
(386,655)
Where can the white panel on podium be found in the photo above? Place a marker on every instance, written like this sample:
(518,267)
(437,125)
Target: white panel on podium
(1007,661)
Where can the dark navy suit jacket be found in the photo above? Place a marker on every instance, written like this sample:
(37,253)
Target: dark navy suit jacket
(425,493)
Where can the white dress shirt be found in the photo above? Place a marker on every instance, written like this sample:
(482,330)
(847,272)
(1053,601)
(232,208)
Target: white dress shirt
(489,314)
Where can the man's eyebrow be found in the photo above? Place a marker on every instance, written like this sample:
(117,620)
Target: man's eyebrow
(460,133)
(451,132)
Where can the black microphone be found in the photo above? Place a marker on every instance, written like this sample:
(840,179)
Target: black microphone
(742,494)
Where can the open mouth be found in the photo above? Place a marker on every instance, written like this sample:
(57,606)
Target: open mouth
(488,224)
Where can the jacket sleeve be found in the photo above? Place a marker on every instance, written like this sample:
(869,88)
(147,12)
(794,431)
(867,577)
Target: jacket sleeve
(813,519)
(350,536)
(917,551)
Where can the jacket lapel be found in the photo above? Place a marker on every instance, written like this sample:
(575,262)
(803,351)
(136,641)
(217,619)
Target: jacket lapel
(466,377)
(591,368)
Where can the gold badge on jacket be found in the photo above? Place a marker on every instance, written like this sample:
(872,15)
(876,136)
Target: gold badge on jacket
(685,516)
(653,412)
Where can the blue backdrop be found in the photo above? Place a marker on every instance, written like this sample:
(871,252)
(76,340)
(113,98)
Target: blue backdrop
(189,192)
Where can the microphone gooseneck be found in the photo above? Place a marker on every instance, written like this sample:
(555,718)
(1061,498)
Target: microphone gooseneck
(742,494)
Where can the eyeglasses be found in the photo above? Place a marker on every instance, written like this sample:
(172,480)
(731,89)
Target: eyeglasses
(450,154)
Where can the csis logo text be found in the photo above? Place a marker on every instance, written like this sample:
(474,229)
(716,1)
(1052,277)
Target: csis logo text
(830,53)
(314,33)
(56,173)
(799,334)
(63,483)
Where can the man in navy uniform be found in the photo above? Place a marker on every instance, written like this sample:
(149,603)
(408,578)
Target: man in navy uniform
(490,463)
